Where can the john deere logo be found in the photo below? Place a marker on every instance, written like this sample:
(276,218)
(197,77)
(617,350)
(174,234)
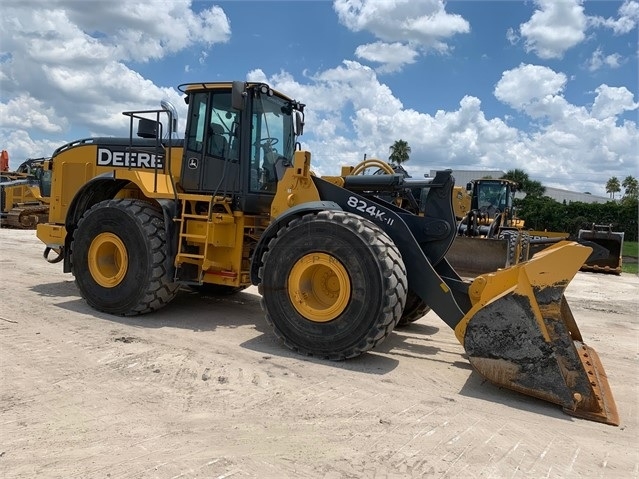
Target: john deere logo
(129,159)
(193,163)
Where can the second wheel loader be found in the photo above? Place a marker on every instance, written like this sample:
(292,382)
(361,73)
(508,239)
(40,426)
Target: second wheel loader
(486,211)
(235,203)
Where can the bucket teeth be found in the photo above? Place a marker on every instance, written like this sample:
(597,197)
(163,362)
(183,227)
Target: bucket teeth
(520,334)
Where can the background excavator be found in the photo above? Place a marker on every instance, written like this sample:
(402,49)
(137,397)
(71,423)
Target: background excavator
(22,204)
(485,210)
(235,202)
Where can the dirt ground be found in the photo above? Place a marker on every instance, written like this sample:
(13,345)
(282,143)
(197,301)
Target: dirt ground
(203,389)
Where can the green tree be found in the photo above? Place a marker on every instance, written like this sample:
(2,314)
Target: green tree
(632,188)
(534,188)
(399,152)
(544,213)
(530,187)
(516,175)
(613,186)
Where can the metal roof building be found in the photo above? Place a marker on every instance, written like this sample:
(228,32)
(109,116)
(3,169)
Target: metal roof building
(560,195)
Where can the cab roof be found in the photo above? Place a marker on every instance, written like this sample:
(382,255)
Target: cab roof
(199,86)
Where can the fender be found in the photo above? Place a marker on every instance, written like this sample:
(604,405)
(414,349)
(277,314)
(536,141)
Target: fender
(105,187)
(99,188)
(275,226)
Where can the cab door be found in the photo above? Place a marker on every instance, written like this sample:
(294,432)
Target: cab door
(193,161)
(211,154)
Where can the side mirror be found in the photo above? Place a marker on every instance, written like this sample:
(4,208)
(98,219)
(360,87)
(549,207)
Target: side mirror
(298,123)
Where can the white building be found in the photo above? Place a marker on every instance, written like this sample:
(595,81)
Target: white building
(560,195)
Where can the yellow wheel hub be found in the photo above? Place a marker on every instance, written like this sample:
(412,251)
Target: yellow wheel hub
(108,260)
(319,287)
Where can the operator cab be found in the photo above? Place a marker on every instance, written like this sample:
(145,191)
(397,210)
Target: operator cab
(239,139)
(493,197)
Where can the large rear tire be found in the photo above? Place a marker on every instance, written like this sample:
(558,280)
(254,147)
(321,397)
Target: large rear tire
(333,285)
(119,258)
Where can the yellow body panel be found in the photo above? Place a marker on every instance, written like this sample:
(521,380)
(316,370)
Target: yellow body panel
(79,165)
(153,186)
(461,201)
(50,234)
(296,187)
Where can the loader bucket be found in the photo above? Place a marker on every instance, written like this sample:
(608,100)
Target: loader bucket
(474,256)
(607,249)
(521,334)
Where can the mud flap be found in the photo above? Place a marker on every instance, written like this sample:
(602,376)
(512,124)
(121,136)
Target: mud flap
(520,334)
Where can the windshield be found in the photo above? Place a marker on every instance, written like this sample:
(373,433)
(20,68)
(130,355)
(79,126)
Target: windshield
(272,141)
(492,196)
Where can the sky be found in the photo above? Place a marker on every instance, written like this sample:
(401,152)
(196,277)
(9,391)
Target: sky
(546,86)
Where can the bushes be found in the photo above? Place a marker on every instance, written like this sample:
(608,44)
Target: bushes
(544,213)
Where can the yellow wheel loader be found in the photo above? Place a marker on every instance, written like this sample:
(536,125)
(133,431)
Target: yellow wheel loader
(486,211)
(235,203)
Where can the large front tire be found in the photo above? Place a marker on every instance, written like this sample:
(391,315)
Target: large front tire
(333,285)
(119,258)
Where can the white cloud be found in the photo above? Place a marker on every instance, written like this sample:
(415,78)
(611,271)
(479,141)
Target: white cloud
(527,85)
(20,146)
(625,23)
(598,60)
(25,111)
(420,25)
(148,30)
(612,101)
(556,26)
(72,58)
(392,56)
(77,72)
(572,143)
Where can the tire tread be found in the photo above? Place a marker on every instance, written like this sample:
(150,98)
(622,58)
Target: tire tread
(393,271)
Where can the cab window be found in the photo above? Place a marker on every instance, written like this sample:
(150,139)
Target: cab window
(272,142)
(195,140)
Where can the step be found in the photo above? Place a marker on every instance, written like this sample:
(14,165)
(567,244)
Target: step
(195,237)
(181,256)
(196,197)
(189,215)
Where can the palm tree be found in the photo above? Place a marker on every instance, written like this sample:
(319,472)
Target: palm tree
(613,186)
(632,187)
(528,186)
(516,175)
(399,152)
